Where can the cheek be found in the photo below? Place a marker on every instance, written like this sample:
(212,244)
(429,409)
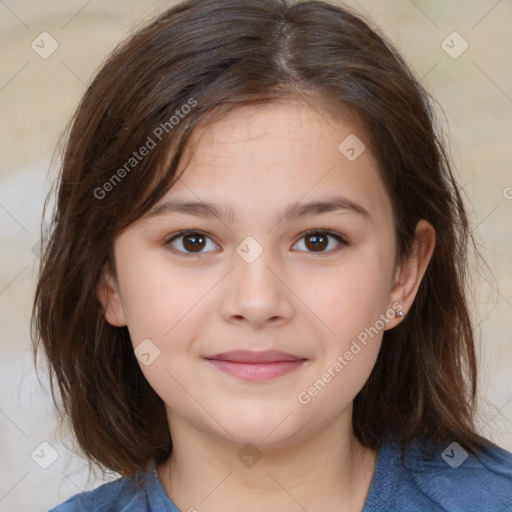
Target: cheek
(160,299)
(352,310)
(167,308)
(355,297)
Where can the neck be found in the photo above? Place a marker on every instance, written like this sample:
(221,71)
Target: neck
(330,470)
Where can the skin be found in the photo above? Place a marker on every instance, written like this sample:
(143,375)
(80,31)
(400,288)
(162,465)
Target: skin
(257,160)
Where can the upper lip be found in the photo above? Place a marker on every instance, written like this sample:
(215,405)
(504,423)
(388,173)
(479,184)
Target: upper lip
(251,356)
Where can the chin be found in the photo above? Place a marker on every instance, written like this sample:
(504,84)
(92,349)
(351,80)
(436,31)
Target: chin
(259,426)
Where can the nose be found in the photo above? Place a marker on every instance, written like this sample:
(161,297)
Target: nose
(257,293)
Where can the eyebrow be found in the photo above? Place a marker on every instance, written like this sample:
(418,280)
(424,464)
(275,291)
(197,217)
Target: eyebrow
(291,212)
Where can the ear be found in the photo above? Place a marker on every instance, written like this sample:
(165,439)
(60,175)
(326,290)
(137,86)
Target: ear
(108,294)
(408,275)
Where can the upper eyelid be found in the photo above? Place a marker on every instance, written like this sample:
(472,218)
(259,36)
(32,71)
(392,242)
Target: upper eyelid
(304,233)
(179,234)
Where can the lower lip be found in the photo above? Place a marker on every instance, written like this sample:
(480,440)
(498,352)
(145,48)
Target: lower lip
(259,371)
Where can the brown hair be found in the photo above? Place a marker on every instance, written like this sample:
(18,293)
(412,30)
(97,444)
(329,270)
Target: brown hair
(250,52)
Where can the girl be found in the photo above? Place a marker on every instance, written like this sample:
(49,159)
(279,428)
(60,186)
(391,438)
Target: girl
(253,293)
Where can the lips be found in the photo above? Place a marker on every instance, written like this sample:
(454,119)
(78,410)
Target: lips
(248,356)
(256,366)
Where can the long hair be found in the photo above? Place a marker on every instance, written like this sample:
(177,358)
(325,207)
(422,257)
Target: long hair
(194,63)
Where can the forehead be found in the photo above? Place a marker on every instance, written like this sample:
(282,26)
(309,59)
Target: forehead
(289,121)
(256,158)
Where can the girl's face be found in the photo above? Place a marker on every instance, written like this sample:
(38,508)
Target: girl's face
(250,278)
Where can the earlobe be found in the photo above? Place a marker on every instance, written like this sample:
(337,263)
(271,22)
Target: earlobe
(409,275)
(108,295)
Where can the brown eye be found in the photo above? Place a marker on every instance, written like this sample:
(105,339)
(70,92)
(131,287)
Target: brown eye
(194,242)
(190,242)
(318,241)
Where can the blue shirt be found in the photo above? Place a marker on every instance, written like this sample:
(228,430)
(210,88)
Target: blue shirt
(447,479)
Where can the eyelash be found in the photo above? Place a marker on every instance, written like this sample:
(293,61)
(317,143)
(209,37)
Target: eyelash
(334,234)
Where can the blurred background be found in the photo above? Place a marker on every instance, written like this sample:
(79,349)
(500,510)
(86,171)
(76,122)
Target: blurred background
(460,49)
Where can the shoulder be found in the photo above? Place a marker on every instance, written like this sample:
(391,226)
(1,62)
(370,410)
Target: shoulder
(452,479)
(140,492)
(122,494)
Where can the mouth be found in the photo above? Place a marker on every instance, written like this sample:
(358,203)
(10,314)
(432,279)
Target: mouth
(254,366)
